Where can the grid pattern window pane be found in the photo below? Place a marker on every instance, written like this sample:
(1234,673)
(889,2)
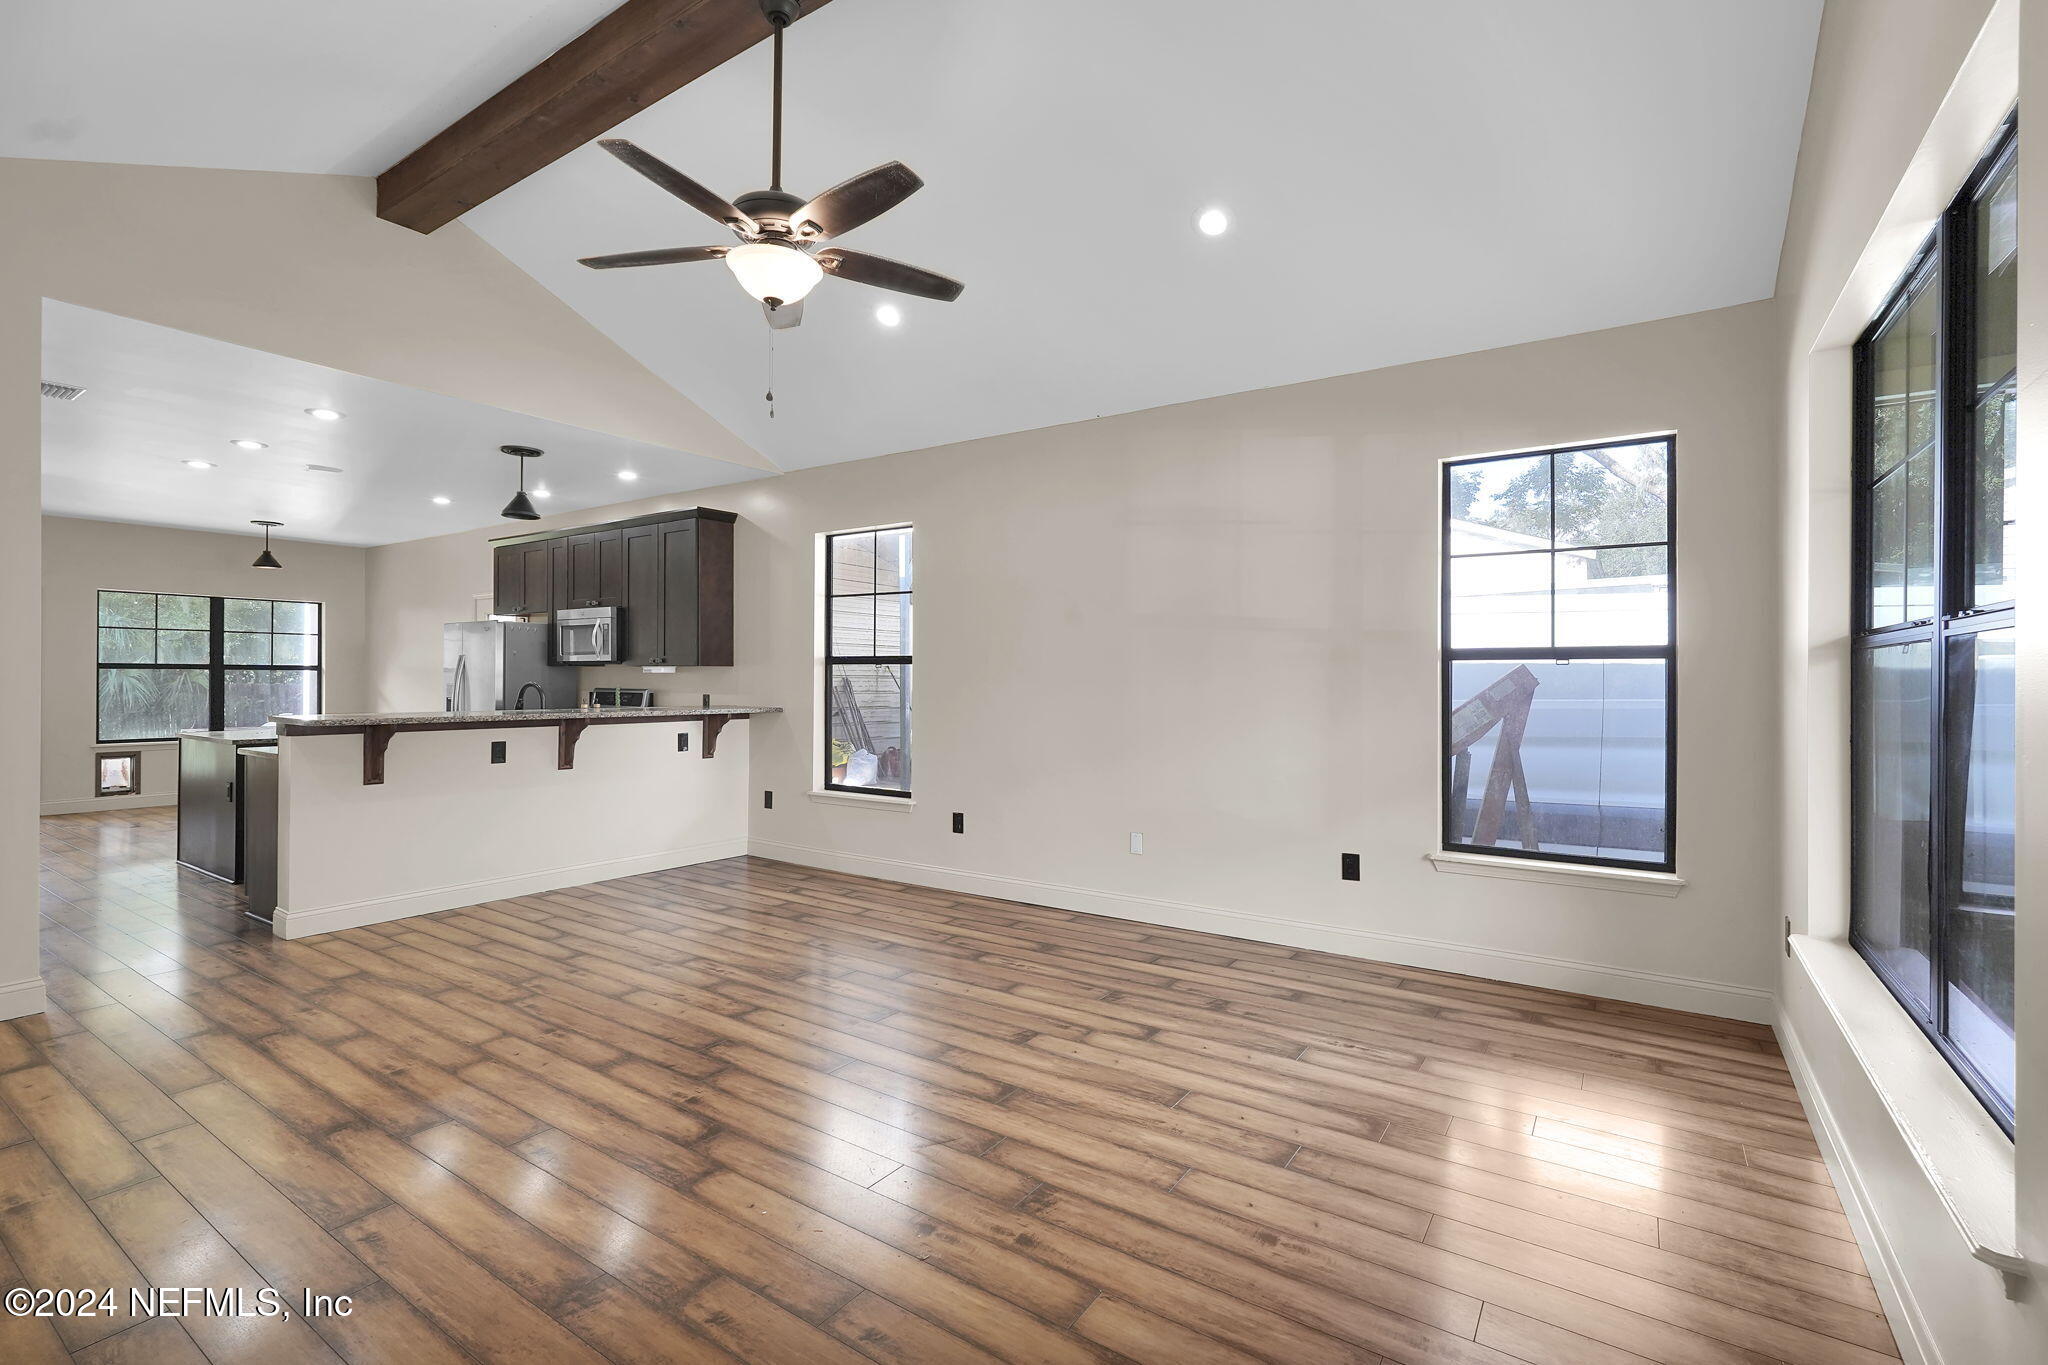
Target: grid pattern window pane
(1933,827)
(869,626)
(171,662)
(1559,659)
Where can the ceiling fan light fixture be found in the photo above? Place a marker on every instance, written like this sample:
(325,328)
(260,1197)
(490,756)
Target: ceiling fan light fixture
(773,273)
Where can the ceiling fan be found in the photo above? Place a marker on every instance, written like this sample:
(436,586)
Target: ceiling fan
(777,259)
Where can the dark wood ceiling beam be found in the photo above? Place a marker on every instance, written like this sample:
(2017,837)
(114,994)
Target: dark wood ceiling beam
(639,53)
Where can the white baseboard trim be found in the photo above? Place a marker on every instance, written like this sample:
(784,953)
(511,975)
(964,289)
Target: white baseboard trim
(19,999)
(1901,1309)
(1717,998)
(80,805)
(327,919)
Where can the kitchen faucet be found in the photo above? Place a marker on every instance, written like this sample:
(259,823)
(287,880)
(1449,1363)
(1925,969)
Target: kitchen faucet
(519,702)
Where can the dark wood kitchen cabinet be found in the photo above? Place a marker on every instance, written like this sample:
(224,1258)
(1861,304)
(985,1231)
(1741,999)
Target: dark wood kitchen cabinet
(697,606)
(669,573)
(597,570)
(520,580)
(679,593)
(644,589)
(211,799)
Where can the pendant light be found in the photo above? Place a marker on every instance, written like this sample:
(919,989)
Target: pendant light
(521,506)
(266,560)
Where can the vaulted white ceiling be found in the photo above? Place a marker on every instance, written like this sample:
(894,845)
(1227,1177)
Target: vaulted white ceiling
(1404,180)
(156,398)
(345,88)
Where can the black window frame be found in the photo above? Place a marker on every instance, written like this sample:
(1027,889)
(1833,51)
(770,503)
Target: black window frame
(833,658)
(1946,263)
(1666,652)
(216,665)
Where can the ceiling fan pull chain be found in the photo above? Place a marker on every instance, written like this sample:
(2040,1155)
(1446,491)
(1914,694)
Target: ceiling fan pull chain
(770,395)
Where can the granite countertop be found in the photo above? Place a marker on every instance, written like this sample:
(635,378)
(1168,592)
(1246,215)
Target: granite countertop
(248,734)
(414,719)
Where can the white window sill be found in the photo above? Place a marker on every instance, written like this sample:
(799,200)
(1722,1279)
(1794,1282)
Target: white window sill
(1964,1154)
(123,746)
(1560,874)
(871,802)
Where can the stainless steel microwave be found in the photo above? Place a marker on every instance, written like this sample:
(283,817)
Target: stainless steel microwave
(588,635)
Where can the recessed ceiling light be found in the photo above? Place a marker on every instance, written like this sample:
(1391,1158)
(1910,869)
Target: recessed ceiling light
(442,502)
(889,315)
(1213,222)
(251,445)
(324,414)
(628,475)
(199,464)
(540,493)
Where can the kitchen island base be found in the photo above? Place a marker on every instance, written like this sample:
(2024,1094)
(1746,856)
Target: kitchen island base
(451,826)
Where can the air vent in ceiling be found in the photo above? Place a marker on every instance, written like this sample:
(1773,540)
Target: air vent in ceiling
(322,469)
(63,392)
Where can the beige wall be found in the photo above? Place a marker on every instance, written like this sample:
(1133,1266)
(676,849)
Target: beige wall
(294,264)
(81,557)
(1216,624)
(1905,94)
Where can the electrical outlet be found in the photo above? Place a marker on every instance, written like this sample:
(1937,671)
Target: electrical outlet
(1137,842)
(767,800)
(1350,867)
(682,741)
(959,823)
(497,751)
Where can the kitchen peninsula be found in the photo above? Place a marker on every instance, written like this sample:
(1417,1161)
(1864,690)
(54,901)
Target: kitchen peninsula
(382,816)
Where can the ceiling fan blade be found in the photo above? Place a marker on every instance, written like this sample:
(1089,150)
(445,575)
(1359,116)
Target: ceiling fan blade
(673,255)
(847,205)
(680,185)
(884,273)
(787,316)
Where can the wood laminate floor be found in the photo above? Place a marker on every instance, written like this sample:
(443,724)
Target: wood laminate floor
(752,1111)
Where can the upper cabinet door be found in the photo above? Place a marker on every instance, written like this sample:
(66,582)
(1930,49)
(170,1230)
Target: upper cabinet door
(714,593)
(533,574)
(558,574)
(583,585)
(645,636)
(508,581)
(679,582)
(611,568)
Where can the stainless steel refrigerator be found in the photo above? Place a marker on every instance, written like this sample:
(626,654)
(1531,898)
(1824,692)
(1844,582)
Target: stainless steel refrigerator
(502,666)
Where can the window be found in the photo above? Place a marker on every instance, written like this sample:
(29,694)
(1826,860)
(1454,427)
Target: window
(1932,714)
(867,661)
(1559,672)
(117,774)
(169,662)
